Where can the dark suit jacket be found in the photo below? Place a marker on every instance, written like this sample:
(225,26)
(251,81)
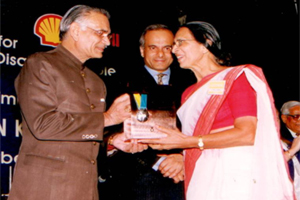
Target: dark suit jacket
(160,97)
(142,81)
(133,173)
(288,138)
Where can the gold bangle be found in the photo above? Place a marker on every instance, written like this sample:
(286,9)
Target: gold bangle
(200,143)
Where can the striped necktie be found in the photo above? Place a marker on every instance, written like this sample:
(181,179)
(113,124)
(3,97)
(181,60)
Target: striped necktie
(159,79)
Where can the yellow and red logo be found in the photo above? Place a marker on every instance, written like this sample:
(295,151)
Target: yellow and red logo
(46,28)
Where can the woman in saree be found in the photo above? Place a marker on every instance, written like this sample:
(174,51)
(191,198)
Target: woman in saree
(230,132)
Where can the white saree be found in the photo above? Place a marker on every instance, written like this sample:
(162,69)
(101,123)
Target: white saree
(256,172)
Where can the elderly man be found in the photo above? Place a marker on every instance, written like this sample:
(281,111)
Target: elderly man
(64,113)
(290,131)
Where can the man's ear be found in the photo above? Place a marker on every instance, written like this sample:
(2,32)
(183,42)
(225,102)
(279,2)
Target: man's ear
(284,118)
(142,51)
(75,31)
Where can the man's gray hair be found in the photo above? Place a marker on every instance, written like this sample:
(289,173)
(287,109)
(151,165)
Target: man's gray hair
(77,13)
(285,109)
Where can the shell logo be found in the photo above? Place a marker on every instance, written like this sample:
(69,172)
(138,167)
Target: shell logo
(46,28)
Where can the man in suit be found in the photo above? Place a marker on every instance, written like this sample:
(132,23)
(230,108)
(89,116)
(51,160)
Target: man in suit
(290,136)
(135,174)
(64,113)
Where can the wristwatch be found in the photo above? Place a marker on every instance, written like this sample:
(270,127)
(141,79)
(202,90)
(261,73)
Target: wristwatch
(200,143)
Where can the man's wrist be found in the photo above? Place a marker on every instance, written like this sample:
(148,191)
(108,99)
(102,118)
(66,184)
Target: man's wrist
(289,154)
(111,149)
(108,119)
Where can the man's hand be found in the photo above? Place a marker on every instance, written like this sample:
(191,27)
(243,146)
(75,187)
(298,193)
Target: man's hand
(118,111)
(294,148)
(173,167)
(295,145)
(179,177)
(129,146)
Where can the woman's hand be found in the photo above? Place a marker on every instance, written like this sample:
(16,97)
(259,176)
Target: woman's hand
(174,139)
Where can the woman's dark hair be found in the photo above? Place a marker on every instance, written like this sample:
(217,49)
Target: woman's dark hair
(206,34)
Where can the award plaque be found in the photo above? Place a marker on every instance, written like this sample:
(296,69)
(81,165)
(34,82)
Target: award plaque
(134,128)
(143,121)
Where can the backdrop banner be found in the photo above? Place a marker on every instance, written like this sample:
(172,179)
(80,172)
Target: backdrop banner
(254,31)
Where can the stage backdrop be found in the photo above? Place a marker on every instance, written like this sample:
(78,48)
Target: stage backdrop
(254,31)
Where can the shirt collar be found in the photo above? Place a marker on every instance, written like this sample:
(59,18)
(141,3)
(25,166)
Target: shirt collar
(154,72)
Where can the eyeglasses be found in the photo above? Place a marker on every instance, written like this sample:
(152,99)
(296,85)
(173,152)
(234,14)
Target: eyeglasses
(179,42)
(101,33)
(294,117)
